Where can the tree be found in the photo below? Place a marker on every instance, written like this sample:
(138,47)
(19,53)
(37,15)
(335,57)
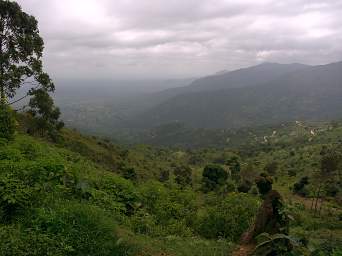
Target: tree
(331,163)
(21,51)
(214,177)
(183,175)
(45,114)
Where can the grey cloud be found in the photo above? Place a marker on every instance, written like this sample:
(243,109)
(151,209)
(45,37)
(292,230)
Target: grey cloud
(158,38)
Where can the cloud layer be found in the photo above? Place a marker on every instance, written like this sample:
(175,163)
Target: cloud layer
(182,38)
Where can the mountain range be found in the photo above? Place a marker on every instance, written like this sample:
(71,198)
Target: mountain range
(268,93)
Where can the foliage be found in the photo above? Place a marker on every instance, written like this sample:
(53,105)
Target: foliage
(7,122)
(15,196)
(234,167)
(45,114)
(228,219)
(279,244)
(129,173)
(214,177)
(82,228)
(271,168)
(55,189)
(299,187)
(21,51)
(183,175)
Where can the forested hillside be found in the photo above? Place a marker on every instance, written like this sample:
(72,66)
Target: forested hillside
(268,94)
(85,195)
(308,94)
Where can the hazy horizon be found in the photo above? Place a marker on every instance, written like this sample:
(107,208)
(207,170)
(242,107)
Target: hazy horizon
(155,39)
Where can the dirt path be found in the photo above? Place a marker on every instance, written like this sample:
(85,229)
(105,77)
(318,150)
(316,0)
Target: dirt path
(244,250)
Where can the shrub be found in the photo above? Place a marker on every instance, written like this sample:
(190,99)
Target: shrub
(30,151)
(271,168)
(214,177)
(164,175)
(84,229)
(291,172)
(299,188)
(7,122)
(183,175)
(15,196)
(332,188)
(279,244)
(129,173)
(168,205)
(10,153)
(15,241)
(117,190)
(229,219)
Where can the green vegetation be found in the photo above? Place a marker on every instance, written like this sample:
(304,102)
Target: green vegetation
(62,193)
(86,194)
(7,122)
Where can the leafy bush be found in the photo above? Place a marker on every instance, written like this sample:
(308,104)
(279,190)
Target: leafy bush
(292,172)
(7,122)
(129,173)
(115,193)
(183,175)
(83,229)
(172,208)
(279,244)
(299,188)
(328,248)
(10,153)
(271,168)
(15,196)
(19,242)
(229,218)
(332,188)
(214,177)
(29,150)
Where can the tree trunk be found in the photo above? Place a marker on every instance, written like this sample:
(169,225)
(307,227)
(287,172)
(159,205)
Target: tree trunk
(317,198)
(320,207)
(312,201)
(2,86)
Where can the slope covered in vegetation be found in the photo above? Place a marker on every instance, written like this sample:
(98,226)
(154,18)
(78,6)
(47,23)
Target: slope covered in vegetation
(85,195)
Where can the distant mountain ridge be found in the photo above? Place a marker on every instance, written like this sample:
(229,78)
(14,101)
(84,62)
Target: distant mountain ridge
(268,93)
(245,77)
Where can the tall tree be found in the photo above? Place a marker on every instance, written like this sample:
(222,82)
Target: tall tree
(21,50)
(45,114)
(331,164)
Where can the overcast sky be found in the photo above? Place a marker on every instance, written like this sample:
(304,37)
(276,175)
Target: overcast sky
(183,38)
